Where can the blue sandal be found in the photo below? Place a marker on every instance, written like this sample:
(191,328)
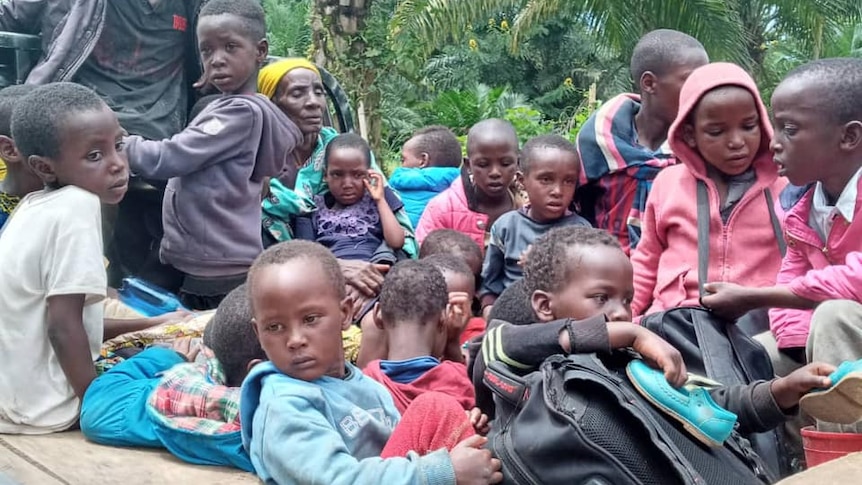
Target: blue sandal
(841,402)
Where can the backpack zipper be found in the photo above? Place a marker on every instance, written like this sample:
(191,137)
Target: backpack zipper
(502,445)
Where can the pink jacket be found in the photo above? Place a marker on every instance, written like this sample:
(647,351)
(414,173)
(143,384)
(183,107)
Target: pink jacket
(816,271)
(744,250)
(449,210)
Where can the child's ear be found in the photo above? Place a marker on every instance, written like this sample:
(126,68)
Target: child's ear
(647,82)
(346,308)
(8,150)
(43,167)
(252,363)
(688,135)
(254,327)
(851,136)
(375,313)
(541,302)
(425,160)
(262,52)
(519,178)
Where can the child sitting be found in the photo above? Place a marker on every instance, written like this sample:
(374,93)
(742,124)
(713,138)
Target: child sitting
(51,260)
(19,180)
(156,399)
(454,243)
(356,218)
(217,166)
(307,417)
(549,173)
(417,332)
(430,162)
(818,142)
(472,204)
(722,137)
(580,286)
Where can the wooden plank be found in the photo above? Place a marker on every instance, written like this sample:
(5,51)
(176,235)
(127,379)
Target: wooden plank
(73,460)
(847,469)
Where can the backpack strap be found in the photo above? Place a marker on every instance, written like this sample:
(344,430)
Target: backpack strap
(776,224)
(506,384)
(702,235)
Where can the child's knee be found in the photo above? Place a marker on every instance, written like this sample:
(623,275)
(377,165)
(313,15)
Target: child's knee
(832,313)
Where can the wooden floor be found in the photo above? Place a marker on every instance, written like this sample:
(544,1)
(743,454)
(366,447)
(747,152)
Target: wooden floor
(68,459)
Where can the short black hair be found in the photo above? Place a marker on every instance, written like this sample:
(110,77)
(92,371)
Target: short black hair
(413,292)
(250,13)
(201,105)
(449,263)
(9,98)
(40,118)
(347,140)
(441,145)
(839,81)
(544,141)
(285,252)
(659,50)
(498,127)
(514,305)
(449,241)
(231,337)
(547,266)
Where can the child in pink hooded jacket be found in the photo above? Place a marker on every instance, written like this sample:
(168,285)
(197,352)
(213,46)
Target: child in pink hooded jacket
(721,135)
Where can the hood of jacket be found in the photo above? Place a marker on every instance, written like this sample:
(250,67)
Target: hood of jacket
(433,179)
(702,81)
(278,138)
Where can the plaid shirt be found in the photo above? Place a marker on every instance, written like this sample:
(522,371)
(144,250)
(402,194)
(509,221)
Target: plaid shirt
(193,397)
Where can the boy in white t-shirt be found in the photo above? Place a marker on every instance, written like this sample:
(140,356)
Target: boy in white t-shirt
(51,261)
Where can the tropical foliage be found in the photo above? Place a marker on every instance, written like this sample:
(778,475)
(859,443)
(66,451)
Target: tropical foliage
(542,64)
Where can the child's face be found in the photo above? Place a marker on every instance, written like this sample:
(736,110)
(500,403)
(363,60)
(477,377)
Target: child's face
(600,281)
(410,156)
(493,161)
(346,171)
(550,182)
(806,143)
(726,129)
(230,59)
(301,96)
(298,317)
(91,145)
(665,89)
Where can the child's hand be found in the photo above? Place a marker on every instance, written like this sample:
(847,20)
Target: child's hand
(654,349)
(473,465)
(479,420)
(727,299)
(522,260)
(374,184)
(457,313)
(788,390)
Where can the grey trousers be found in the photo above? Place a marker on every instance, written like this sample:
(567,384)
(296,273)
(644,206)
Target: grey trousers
(835,336)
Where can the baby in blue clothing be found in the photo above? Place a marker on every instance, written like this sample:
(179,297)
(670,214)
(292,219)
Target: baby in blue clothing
(309,417)
(357,215)
(549,170)
(430,162)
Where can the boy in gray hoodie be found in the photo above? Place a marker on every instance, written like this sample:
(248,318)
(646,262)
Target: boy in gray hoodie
(216,166)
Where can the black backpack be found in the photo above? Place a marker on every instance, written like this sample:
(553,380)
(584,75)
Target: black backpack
(578,420)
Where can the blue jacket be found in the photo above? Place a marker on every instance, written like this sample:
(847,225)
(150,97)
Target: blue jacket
(328,431)
(417,186)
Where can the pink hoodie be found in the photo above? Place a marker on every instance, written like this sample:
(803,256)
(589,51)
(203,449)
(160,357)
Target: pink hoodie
(449,210)
(817,271)
(743,251)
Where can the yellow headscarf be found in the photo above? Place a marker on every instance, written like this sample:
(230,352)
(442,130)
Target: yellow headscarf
(269,77)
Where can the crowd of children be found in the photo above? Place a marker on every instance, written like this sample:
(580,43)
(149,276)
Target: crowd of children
(266,212)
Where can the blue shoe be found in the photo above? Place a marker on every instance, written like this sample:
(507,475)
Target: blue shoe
(840,403)
(694,408)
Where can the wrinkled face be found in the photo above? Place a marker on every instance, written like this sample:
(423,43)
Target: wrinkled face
(301,96)
(550,182)
(91,145)
(346,172)
(726,129)
(665,89)
(599,282)
(493,161)
(805,142)
(230,59)
(410,156)
(299,317)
